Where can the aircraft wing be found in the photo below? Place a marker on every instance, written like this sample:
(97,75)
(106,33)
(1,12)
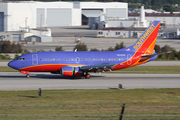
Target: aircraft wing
(100,67)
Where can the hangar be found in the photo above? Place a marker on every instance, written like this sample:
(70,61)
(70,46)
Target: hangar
(16,14)
(39,38)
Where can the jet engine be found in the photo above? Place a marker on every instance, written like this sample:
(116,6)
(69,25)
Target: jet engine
(70,71)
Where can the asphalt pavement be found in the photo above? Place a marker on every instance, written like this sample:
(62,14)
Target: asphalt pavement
(11,81)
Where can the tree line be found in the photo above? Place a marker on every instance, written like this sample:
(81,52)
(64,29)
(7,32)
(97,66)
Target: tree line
(167,5)
(7,47)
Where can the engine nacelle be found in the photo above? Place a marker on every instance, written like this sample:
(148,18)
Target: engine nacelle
(70,71)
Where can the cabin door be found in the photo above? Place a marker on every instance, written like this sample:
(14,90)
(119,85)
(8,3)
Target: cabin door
(129,59)
(34,59)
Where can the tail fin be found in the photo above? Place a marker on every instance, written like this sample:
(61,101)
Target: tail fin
(147,40)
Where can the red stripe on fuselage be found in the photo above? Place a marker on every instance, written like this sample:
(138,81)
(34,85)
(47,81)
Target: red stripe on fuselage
(44,68)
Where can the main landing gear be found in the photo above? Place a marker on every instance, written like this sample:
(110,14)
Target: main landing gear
(87,76)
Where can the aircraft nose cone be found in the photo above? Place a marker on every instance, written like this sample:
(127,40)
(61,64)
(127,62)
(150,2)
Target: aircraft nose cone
(11,64)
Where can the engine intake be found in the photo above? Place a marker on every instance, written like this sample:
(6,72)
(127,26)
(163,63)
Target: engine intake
(70,71)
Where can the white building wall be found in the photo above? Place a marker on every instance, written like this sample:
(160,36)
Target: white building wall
(119,23)
(76,17)
(51,5)
(24,14)
(167,20)
(115,33)
(3,8)
(21,14)
(22,10)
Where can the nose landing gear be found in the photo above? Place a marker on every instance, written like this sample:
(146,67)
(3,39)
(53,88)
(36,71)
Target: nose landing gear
(26,72)
(28,76)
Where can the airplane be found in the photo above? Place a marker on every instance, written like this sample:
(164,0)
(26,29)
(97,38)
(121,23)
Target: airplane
(80,63)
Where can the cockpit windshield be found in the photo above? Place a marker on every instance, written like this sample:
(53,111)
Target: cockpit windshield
(20,58)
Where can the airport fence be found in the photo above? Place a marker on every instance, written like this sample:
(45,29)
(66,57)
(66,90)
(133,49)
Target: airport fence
(86,112)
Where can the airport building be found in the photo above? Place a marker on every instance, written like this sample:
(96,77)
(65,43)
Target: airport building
(136,23)
(30,14)
(169,19)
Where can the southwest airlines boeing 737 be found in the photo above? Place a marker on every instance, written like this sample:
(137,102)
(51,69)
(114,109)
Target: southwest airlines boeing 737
(79,64)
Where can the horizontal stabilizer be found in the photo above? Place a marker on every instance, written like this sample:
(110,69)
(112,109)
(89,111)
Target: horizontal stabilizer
(151,55)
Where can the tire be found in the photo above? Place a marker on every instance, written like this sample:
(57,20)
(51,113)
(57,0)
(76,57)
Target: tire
(28,76)
(87,76)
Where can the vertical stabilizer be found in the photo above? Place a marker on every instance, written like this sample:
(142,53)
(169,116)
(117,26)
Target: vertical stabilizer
(145,44)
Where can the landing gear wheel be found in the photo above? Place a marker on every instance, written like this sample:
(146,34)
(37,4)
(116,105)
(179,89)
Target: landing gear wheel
(28,76)
(87,76)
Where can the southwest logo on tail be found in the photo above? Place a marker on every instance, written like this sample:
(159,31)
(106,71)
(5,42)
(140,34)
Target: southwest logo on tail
(78,64)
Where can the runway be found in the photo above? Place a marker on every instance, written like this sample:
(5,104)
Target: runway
(12,81)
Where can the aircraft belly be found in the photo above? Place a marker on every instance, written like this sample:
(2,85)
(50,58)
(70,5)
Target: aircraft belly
(43,68)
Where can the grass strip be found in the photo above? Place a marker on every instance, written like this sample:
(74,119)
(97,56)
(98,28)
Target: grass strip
(151,70)
(7,69)
(90,104)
